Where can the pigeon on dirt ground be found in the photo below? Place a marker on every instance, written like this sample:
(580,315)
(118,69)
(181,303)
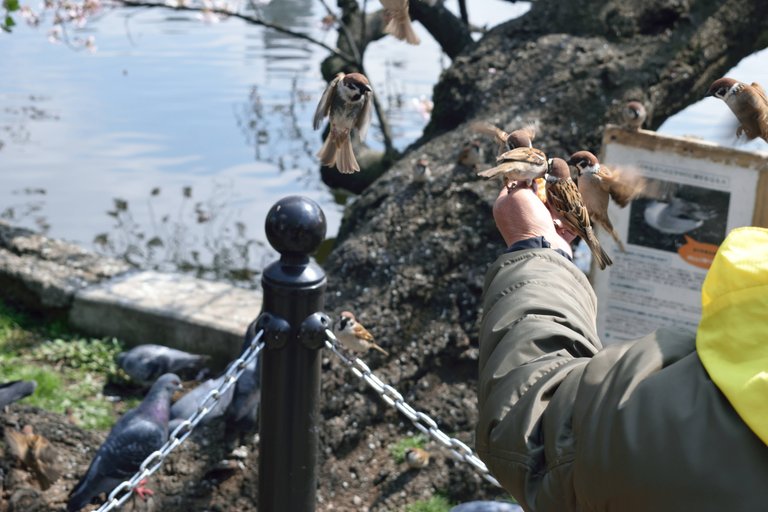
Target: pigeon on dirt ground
(135,436)
(35,453)
(15,390)
(145,363)
(187,405)
(243,412)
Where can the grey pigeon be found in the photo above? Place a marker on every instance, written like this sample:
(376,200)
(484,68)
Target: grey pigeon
(137,434)
(145,363)
(15,390)
(487,506)
(243,412)
(186,406)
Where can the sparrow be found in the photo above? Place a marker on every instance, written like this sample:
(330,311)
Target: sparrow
(633,115)
(347,103)
(421,170)
(519,164)
(564,196)
(353,336)
(35,453)
(506,141)
(398,22)
(417,458)
(748,102)
(597,183)
(472,154)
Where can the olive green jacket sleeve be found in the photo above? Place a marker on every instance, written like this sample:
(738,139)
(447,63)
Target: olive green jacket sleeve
(565,424)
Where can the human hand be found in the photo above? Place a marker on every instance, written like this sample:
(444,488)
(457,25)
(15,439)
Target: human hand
(520,214)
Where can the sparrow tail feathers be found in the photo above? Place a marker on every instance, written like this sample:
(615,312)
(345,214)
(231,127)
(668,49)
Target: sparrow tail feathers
(376,347)
(346,162)
(601,257)
(400,27)
(327,153)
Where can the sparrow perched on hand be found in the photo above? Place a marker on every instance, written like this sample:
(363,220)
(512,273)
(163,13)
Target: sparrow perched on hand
(398,21)
(35,453)
(417,458)
(472,154)
(353,336)
(748,102)
(633,115)
(347,103)
(506,141)
(519,164)
(564,196)
(597,183)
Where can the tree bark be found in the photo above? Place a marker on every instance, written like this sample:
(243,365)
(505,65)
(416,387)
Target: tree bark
(410,257)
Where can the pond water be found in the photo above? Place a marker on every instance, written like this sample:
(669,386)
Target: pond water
(175,137)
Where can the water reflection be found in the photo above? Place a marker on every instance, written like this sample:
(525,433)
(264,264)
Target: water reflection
(225,109)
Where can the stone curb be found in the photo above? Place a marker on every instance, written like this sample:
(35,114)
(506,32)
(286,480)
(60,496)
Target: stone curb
(102,296)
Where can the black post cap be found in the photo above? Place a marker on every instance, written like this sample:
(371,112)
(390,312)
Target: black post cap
(295,226)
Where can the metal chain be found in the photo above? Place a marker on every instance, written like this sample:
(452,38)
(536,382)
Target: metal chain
(152,463)
(458,450)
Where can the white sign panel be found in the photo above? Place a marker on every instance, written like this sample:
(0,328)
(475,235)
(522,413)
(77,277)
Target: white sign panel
(697,194)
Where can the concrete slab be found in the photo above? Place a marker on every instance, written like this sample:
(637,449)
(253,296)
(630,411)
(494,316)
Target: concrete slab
(170,309)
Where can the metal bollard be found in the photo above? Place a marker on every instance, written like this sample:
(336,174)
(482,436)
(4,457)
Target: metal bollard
(293,291)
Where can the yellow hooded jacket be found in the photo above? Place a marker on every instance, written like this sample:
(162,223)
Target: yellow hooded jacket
(732,339)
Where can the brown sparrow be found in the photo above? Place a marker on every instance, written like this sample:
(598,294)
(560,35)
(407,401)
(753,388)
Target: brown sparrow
(421,170)
(564,197)
(398,22)
(347,103)
(417,458)
(35,453)
(506,141)
(472,154)
(353,336)
(597,183)
(633,115)
(519,164)
(748,102)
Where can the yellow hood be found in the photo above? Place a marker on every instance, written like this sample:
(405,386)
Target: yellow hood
(732,340)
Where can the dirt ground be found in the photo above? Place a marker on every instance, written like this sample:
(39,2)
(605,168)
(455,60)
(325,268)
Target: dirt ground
(210,473)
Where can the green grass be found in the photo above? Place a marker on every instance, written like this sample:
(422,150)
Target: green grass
(398,449)
(436,503)
(70,371)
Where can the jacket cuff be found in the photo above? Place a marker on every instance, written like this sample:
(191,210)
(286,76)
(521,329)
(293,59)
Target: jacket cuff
(536,242)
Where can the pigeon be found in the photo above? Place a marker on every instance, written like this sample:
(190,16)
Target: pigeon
(187,405)
(16,390)
(243,411)
(140,432)
(35,453)
(145,363)
(487,506)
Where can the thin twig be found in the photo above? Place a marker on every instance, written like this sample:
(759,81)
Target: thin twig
(250,19)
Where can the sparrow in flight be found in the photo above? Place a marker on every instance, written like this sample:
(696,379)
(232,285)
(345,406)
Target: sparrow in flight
(347,104)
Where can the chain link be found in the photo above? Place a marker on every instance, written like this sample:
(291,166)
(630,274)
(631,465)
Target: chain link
(458,450)
(152,463)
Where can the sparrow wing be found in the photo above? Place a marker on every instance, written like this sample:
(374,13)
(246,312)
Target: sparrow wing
(762,110)
(760,93)
(364,118)
(566,200)
(623,185)
(488,129)
(326,100)
(362,333)
(524,154)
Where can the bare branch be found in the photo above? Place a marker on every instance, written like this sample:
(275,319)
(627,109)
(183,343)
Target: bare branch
(249,19)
